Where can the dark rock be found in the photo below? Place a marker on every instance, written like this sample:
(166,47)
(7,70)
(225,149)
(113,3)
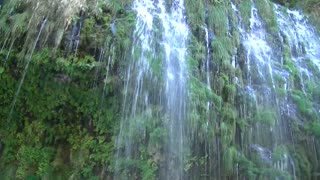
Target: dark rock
(113,27)
(1,147)
(176,5)
(62,78)
(264,154)
(211,34)
(74,36)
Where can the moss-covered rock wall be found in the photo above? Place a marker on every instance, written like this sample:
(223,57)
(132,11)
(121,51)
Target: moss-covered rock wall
(63,122)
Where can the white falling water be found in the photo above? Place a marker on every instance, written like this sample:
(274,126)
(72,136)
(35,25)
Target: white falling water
(26,69)
(259,55)
(302,38)
(304,44)
(261,85)
(138,68)
(174,41)
(140,79)
(303,41)
(208,57)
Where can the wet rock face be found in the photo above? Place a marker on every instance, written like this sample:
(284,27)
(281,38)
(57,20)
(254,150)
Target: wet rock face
(1,147)
(264,154)
(73,39)
(62,78)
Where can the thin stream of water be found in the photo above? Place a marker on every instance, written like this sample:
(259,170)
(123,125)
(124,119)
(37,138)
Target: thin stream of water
(25,70)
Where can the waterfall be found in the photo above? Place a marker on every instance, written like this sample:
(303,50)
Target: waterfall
(262,67)
(302,37)
(134,89)
(175,44)
(259,76)
(159,89)
(302,40)
(141,90)
(43,23)
(258,53)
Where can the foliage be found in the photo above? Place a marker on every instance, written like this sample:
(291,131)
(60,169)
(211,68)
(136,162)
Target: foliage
(229,159)
(196,14)
(268,15)
(57,106)
(245,11)
(247,167)
(300,158)
(314,128)
(304,105)
(218,19)
(266,116)
(279,153)
(68,112)
(289,3)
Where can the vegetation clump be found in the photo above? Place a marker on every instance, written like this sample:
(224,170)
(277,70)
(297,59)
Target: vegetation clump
(67,116)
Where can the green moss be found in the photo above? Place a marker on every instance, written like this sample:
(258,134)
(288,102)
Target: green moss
(125,26)
(117,6)
(218,19)
(280,83)
(56,100)
(303,166)
(229,92)
(227,132)
(279,152)
(266,115)
(268,15)
(312,90)
(228,114)
(281,92)
(314,128)
(313,67)
(245,11)
(229,159)
(247,167)
(220,51)
(62,127)
(196,14)
(272,173)
(304,105)
(291,67)
(279,80)
(30,157)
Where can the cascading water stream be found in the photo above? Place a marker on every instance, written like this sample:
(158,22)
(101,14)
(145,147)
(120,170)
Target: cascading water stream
(264,76)
(207,64)
(100,59)
(138,66)
(259,74)
(212,148)
(302,37)
(259,52)
(302,40)
(26,69)
(7,35)
(174,41)
(246,78)
(10,49)
(140,94)
(304,46)
(106,79)
(261,86)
